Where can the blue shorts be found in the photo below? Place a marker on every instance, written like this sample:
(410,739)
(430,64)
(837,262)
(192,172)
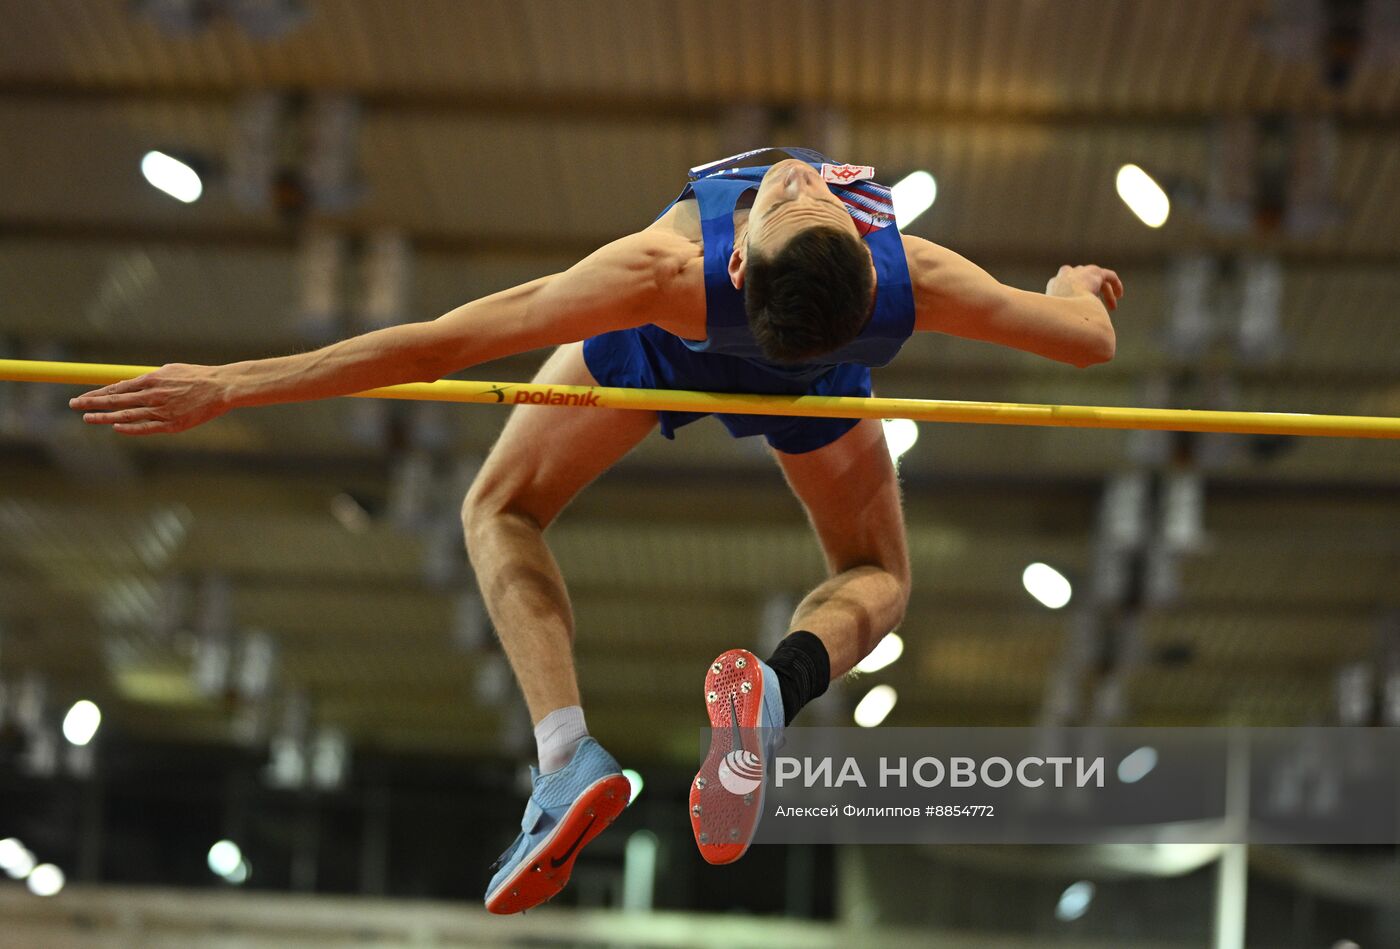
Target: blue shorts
(650,358)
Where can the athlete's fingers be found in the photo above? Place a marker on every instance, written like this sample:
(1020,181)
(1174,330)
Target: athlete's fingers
(1108,286)
(120,400)
(125,385)
(1110,292)
(116,388)
(144,428)
(143,414)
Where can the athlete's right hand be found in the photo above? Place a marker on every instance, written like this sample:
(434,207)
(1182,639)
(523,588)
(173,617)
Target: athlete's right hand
(1072,281)
(170,399)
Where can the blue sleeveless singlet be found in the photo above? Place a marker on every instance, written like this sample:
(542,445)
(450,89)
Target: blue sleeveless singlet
(728,359)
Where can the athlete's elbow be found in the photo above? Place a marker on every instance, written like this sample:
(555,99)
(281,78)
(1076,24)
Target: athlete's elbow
(1100,348)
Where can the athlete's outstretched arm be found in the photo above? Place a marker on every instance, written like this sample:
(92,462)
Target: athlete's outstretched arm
(624,284)
(1069,322)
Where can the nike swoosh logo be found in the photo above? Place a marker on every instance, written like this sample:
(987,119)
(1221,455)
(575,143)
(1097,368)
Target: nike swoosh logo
(734,724)
(557,863)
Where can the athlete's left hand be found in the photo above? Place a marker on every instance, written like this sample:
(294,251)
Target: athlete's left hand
(170,399)
(1099,281)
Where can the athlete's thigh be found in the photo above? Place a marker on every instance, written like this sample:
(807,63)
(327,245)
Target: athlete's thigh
(851,494)
(546,454)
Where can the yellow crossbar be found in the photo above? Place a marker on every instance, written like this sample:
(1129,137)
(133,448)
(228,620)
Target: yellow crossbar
(920,410)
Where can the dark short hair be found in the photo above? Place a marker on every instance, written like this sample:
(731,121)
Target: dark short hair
(811,297)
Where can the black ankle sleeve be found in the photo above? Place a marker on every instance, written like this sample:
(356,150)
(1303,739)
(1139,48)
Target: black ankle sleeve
(803,669)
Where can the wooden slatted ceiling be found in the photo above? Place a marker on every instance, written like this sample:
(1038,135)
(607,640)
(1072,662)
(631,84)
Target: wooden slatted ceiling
(1128,55)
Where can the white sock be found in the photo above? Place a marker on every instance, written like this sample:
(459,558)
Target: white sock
(557,737)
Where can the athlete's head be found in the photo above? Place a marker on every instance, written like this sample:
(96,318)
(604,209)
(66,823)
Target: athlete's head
(807,277)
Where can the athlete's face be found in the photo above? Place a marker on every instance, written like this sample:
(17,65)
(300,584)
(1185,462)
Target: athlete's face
(791,198)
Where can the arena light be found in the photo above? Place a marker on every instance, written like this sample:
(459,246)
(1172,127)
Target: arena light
(913,195)
(224,858)
(1137,765)
(81,722)
(22,866)
(172,176)
(351,514)
(885,652)
(15,858)
(639,872)
(877,704)
(1143,196)
(1047,585)
(635,782)
(46,880)
(240,873)
(900,436)
(1074,901)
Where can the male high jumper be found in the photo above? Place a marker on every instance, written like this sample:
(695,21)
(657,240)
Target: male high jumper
(788,277)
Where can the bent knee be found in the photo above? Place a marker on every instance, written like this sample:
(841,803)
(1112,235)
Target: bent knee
(491,501)
(888,581)
(898,570)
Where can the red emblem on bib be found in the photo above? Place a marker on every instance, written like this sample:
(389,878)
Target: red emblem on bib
(845,174)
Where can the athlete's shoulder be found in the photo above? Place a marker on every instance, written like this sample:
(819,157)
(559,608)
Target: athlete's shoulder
(923,252)
(681,218)
(668,274)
